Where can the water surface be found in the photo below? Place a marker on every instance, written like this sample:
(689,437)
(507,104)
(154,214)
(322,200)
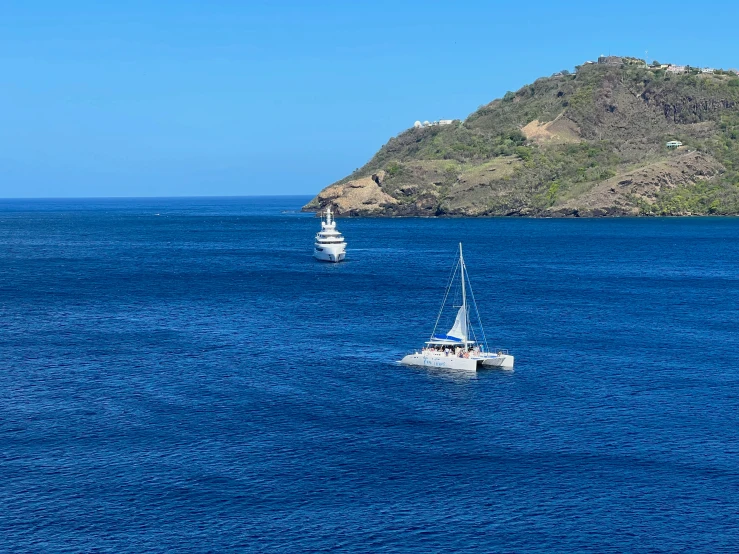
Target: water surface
(181,375)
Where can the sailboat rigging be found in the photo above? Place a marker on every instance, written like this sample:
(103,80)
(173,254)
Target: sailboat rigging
(459,348)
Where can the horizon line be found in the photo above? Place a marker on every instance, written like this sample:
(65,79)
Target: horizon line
(3,198)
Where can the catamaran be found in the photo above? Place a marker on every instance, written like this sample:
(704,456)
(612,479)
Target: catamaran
(330,245)
(459,347)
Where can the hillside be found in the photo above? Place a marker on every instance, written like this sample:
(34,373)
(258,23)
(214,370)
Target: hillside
(592,143)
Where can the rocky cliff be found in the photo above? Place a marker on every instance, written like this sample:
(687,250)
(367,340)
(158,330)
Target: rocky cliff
(592,143)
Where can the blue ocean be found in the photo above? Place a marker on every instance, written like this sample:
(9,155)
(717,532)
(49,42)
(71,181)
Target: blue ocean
(180,375)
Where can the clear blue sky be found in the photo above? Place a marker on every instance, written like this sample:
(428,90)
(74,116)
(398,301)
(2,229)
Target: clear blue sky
(242,97)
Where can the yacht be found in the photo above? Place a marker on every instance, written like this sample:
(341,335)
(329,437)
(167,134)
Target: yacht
(459,348)
(330,245)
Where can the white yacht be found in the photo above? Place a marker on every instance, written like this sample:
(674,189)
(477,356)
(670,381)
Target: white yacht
(459,348)
(330,245)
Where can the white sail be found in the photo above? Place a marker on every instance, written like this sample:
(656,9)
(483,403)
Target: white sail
(469,355)
(459,330)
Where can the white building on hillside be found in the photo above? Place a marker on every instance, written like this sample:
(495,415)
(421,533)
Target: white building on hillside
(419,125)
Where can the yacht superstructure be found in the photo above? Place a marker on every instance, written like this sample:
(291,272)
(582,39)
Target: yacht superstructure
(330,245)
(459,347)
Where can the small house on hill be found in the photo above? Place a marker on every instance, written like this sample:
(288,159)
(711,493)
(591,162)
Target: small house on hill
(674,144)
(677,69)
(419,125)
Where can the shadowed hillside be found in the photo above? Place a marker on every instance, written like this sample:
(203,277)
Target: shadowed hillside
(585,144)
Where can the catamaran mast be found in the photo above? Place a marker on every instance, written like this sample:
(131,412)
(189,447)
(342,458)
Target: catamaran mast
(464,295)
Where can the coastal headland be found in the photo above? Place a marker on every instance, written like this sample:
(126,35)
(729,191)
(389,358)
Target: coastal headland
(616,137)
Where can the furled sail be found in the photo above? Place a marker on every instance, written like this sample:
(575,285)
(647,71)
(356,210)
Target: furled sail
(459,331)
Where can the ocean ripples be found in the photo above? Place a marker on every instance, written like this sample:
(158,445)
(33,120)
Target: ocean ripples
(197,382)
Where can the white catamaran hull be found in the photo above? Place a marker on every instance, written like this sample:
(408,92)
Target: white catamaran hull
(459,348)
(504,361)
(455,362)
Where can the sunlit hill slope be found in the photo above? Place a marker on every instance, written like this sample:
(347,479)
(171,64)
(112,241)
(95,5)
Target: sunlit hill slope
(591,143)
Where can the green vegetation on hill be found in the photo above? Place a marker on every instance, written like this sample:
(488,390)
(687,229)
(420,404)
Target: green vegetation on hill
(588,143)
